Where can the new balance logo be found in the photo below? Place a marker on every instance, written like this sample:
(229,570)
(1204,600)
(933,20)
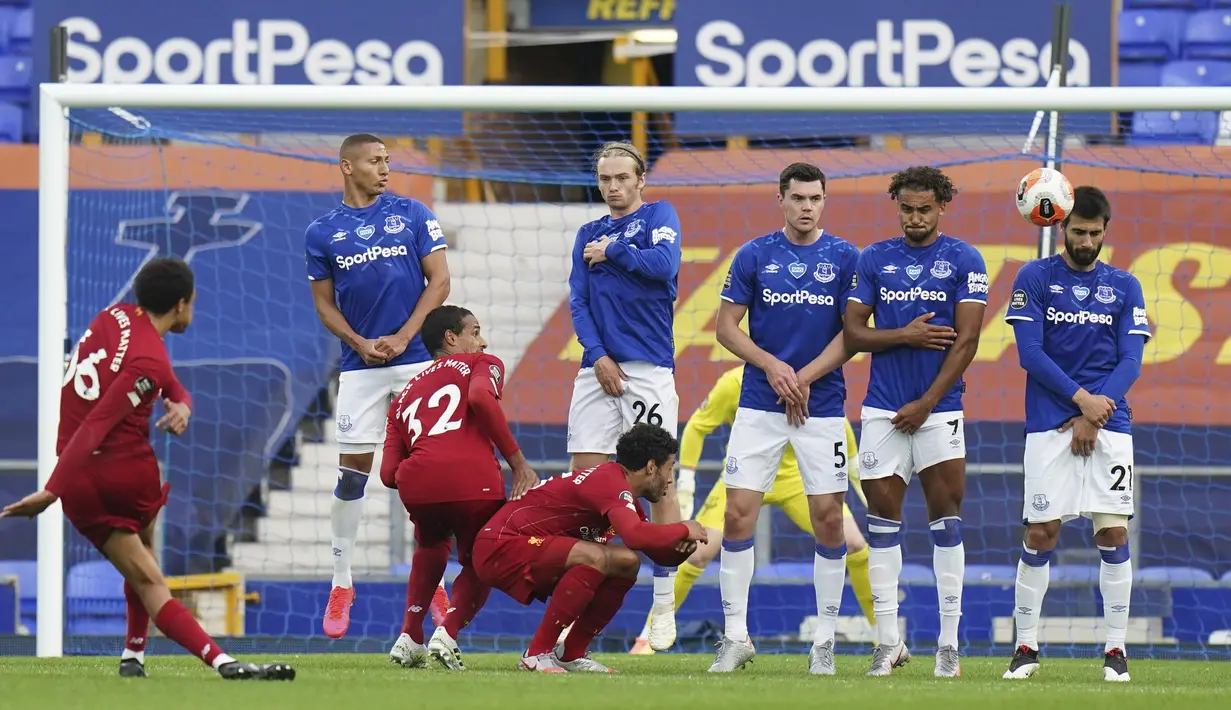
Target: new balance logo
(794,298)
(913,294)
(1078,317)
(369,255)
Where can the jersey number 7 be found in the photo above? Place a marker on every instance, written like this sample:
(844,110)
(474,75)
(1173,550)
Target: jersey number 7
(444,423)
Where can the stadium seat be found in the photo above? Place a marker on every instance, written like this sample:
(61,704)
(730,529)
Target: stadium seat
(1172,575)
(1196,73)
(1075,573)
(11,119)
(21,32)
(1183,4)
(14,78)
(1174,127)
(1151,35)
(1207,35)
(8,17)
(913,573)
(1225,578)
(26,572)
(991,574)
(1139,74)
(95,600)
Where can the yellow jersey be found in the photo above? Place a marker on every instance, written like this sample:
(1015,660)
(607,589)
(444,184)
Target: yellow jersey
(719,407)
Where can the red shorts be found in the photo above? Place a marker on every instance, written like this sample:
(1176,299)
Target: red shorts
(115,495)
(524,567)
(437,522)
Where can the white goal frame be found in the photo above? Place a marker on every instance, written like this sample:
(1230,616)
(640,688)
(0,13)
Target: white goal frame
(57,99)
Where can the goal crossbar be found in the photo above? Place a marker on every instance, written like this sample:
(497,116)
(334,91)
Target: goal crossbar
(53,201)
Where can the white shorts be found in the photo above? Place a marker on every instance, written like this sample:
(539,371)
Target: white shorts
(1061,486)
(596,419)
(363,403)
(758,440)
(885,451)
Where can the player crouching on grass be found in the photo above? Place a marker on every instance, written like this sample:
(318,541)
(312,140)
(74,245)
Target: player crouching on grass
(552,545)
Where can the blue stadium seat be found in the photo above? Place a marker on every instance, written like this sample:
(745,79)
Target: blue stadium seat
(14,78)
(1226,577)
(991,574)
(914,573)
(1140,74)
(1151,35)
(1075,573)
(1185,4)
(8,17)
(95,600)
(21,32)
(1172,575)
(1196,73)
(1174,127)
(11,119)
(1207,35)
(26,572)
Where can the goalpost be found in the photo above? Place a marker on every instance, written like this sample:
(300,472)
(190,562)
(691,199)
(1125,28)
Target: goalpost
(59,101)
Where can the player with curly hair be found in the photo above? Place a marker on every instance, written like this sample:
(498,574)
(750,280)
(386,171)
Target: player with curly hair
(928,292)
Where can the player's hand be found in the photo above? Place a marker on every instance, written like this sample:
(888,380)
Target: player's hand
(29,506)
(596,251)
(797,415)
(785,382)
(1085,434)
(696,532)
(1095,407)
(524,478)
(921,334)
(911,417)
(610,376)
(176,418)
(370,353)
(391,345)
(686,547)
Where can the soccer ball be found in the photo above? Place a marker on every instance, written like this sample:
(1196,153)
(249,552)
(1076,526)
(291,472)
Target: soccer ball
(1045,197)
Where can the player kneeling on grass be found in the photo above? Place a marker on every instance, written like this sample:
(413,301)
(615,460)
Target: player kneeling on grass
(438,455)
(552,545)
(1081,329)
(107,475)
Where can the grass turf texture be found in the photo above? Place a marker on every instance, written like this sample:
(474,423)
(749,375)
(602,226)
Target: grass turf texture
(675,681)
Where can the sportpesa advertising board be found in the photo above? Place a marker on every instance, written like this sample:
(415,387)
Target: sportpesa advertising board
(888,43)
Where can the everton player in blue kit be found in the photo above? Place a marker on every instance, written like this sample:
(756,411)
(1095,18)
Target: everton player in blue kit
(1081,329)
(377,266)
(928,292)
(622,297)
(792,284)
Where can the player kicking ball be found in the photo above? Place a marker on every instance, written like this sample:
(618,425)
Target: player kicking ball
(107,476)
(1081,330)
(622,291)
(792,285)
(552,545)
(719,408)
(438,455)
(377,267)
(928,292)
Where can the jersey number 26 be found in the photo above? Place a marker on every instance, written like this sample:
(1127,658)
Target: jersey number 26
(83,373)
(451,395)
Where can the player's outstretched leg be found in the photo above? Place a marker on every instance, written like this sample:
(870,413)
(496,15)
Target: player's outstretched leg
(1116,587)
(345,515)
(139,569)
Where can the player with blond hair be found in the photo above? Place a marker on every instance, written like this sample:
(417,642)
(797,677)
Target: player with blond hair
(788,494)
(622,293)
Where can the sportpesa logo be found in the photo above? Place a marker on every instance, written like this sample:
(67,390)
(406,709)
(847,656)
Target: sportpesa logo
(1078,317)
(369,255)
(796,298)
(913,294)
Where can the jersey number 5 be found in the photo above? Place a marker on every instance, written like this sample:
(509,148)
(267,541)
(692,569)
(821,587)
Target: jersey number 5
(444,423)
(83,373)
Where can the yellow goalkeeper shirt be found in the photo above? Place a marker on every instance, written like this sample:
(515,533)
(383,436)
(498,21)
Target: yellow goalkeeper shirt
(719,408)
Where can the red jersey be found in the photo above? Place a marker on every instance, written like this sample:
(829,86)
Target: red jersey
(440,430)
(117,372)
(593,504)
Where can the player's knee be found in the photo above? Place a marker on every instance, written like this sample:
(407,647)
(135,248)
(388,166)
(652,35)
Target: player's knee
(1042,536)
(589,555)
(946,532)
(827,524)
(621,562)
(1110,530)
(350,484)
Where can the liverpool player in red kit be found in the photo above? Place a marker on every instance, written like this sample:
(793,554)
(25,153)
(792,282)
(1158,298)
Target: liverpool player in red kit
(107,475)
(438,455)
(552,545)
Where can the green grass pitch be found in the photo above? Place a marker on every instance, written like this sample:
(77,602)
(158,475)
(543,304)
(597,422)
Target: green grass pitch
(675,681)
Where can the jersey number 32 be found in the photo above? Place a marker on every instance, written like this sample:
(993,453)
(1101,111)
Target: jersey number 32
(444,399)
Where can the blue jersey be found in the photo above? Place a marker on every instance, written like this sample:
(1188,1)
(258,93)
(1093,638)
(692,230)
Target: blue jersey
(624,307)
(1085,315)
(796,296)
(902,282)
(373,255)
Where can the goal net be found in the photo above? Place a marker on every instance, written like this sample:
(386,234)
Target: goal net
(230,181)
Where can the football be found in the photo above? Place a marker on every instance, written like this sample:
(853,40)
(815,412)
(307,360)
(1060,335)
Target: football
(1045,197)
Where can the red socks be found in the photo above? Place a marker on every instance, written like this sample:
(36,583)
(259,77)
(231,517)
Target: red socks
(138,621)
(569,599)
(427,566)
(469,596)
(178,624)
(607,601)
